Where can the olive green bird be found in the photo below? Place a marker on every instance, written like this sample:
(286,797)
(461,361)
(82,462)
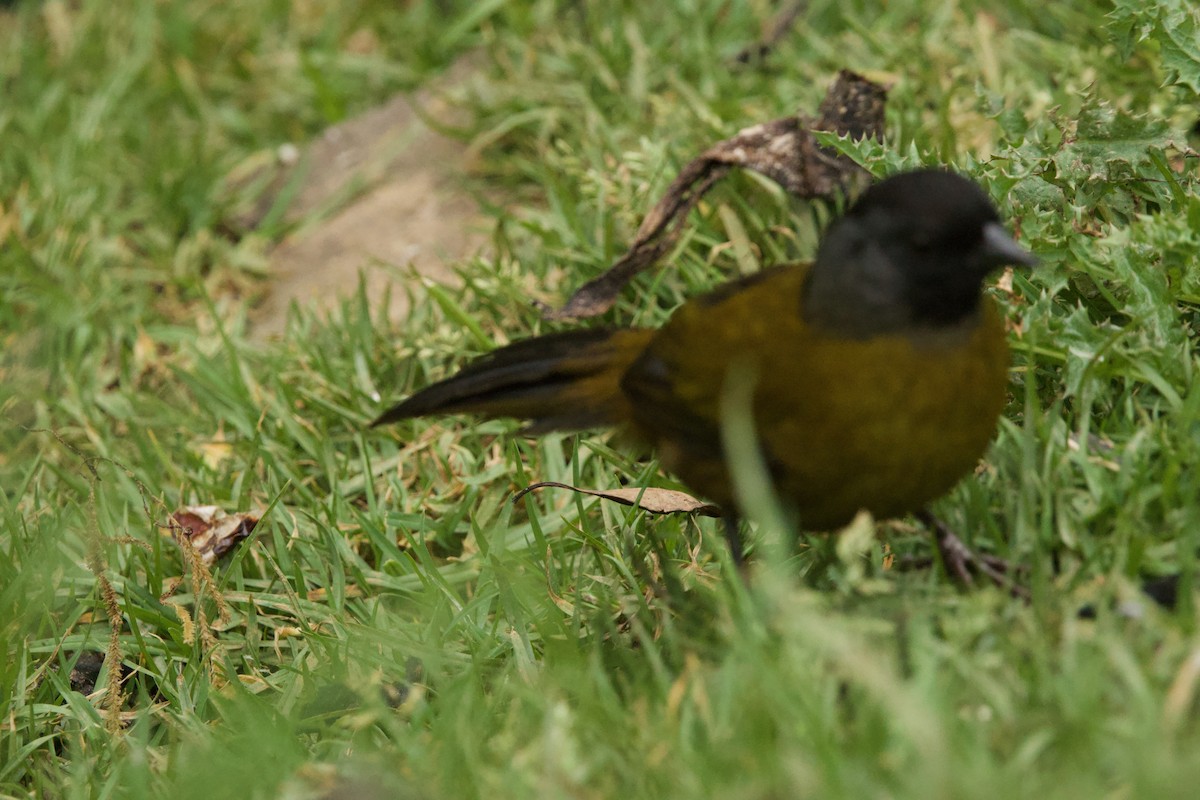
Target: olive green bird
(881,368)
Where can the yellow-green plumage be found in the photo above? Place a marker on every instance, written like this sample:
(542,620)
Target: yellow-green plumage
(880,370)
(886,423)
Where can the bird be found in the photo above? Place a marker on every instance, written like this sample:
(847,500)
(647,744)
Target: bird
(879,369)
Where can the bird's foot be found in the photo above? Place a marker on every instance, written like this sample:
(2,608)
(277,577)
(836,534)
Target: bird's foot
(963,564)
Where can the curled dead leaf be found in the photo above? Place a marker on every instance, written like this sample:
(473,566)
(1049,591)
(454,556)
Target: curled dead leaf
(653,500)
(784,150)
(211,531)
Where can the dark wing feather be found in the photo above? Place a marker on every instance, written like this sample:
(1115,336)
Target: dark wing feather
(557,381)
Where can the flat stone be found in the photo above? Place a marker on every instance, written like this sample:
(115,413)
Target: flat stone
(378,193)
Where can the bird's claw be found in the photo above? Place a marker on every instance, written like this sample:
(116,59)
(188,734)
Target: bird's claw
(963,564)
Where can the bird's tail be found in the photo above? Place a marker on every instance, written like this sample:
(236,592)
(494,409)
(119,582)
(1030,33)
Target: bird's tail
(563,381)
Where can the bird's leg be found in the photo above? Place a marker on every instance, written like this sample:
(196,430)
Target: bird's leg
(959,560)
(733,536)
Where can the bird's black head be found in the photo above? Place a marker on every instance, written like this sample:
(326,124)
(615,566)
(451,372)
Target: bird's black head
(913,250)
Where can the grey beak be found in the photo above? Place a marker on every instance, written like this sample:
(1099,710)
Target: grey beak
(1000,248)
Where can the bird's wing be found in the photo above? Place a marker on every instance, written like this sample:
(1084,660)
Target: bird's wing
(674,387)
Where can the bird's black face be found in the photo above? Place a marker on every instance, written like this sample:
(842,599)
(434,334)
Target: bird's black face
(942,236)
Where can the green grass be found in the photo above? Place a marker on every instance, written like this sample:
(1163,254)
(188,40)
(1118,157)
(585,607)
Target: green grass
(395,623)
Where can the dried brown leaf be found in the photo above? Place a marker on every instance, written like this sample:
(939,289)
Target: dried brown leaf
(653,500)
(784,150)
(211,531)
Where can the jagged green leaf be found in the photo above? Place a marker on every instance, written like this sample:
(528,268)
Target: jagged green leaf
(1171,27)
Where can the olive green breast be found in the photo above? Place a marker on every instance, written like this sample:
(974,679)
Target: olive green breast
(886,424)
